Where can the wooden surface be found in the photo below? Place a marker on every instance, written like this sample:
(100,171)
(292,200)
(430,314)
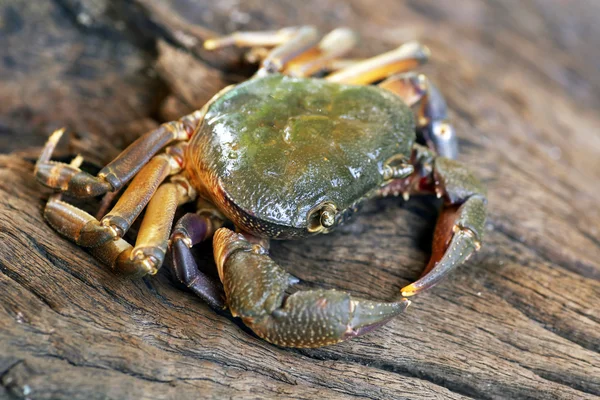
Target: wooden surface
(520,320)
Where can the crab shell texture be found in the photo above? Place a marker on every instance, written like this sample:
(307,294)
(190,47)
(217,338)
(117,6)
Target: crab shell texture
(274,150)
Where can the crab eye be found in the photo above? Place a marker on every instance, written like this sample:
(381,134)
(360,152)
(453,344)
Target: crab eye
(397,167)
(322,217)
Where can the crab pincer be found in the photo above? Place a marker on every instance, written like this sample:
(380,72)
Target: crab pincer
(256,288)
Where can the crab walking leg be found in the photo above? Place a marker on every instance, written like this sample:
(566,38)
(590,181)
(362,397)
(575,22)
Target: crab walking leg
(113,176)
(459,229)
(333,45)
(151,244)
(256,286)
(71,224)
(303,40)
(142,188)
(289,43)
(90,232)
(66,177)
(152,241)
(107,253)
(404,58)
(252,39)
(190,230)
(431,111)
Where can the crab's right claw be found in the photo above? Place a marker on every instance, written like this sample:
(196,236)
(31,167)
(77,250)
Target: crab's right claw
(256,286)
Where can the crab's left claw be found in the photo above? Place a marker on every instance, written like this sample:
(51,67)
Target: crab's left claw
(460,226)
(256,286)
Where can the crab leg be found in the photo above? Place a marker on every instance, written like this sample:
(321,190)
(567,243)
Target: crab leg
(404,58)
(252,39)
(289,43)
(190,230)
(153,237)
(297,51)
(256,287)
(90,232)
(432,113)
(333,45)
(151,244)
(459,229)
(141,189)
(72,180)
(107,253)
(303,40)
(148,254)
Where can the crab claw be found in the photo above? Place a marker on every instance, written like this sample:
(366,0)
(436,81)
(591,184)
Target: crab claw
(256,286)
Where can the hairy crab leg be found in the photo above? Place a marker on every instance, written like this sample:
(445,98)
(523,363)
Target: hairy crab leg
(256,287)
(404,58)
(460,226)
(190,230)
(113,176)
(431,111)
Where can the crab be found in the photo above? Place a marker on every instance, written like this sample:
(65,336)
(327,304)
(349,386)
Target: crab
(292,152)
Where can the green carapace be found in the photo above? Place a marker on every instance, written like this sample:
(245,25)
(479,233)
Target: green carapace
(283,146)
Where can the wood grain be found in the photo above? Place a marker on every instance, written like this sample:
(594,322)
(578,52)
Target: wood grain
(520,320)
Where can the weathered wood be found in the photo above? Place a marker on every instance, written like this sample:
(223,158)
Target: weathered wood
(520,320)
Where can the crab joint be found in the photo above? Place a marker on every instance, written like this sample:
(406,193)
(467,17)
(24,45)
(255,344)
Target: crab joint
(147,262)
(457,229)
(115,230)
